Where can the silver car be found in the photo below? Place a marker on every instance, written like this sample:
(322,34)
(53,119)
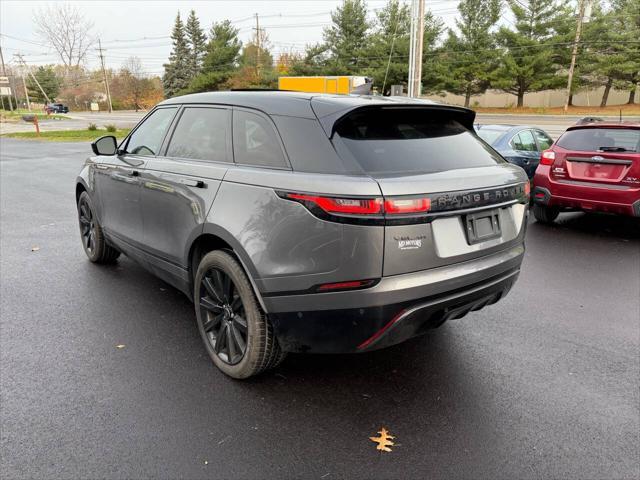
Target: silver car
(308,223)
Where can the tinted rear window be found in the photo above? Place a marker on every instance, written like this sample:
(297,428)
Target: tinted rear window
(594,139)
(401,141)
(490,136)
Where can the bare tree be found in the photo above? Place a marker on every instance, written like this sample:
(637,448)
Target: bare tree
(66,29)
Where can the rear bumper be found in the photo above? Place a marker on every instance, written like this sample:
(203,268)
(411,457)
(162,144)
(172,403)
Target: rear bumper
(396,309)
(574,195)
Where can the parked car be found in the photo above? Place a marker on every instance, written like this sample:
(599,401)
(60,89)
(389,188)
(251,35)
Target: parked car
(591,167)
(308,223)
(520,145)
(56,108)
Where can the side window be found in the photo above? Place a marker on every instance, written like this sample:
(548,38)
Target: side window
(147,138)
(201,134)
(544,141)
(524,142)
(255,142)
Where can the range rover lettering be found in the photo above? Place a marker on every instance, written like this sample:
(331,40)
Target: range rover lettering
(299,222)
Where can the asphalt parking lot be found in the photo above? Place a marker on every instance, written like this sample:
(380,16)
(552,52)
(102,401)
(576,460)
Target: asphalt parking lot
(545,384)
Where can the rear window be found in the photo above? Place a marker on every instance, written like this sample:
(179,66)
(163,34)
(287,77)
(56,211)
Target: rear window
(490,136)
(401,141)
(606,139)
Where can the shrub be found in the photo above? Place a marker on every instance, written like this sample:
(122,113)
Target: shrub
(110,127)
(92,127)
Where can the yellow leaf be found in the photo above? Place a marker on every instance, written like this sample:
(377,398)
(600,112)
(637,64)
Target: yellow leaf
(383,441)
(121,346)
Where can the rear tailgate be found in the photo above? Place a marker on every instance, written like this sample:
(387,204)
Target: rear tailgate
(448,197)
(598,155)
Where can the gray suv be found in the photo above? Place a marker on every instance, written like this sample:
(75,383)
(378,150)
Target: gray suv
(308,223)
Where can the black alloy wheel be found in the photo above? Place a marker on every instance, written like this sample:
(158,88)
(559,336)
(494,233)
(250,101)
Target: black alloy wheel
(87,226)
(224,316)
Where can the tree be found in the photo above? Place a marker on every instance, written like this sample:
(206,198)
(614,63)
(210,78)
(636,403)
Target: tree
(220,60)
(197,42)
(387,50)
(468,57)
(47,79)
(176,73)
(527,61)
(346,38)
(66,29)
(134,81)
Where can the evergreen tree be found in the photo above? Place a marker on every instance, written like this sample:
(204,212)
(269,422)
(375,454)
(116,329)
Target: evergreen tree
(48,80)
(346,38)
(527,61)
(387,51)
(197,42)
(176,73)
(468,58)
(220,60)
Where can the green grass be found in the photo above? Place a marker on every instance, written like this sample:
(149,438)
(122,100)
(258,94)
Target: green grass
(68,135)
(17,114)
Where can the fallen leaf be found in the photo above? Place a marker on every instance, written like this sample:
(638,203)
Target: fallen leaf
(206,462)
(383,441)
(35,249)
(120,347)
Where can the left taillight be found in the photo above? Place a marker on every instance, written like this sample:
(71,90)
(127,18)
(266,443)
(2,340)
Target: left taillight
(338,205)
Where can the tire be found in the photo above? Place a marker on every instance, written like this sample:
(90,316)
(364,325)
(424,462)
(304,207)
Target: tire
(237,334)
(545,214)
(91,235)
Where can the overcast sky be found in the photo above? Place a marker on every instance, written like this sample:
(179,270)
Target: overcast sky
(142,28)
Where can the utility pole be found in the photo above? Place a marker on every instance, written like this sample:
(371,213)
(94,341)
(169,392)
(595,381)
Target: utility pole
(415,49)
(104,74)
(257,47)
(4,74)
(24,64)
(574,53)
(26,92)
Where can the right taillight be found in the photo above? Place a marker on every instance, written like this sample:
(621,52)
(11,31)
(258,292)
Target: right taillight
(547,157)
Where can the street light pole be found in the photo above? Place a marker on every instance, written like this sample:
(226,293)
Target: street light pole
(415,49)
(574,53)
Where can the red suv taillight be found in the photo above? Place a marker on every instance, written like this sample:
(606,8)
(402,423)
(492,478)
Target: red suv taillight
(547,157)
(361,206)
(349,206)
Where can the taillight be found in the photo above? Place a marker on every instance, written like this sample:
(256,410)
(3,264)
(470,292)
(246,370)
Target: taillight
(349,206)
(350,285)
(547,157)
(407,205)
(527,189)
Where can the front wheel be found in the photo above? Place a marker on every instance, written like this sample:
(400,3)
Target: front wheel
(545,214)
(93,241)
(237,335)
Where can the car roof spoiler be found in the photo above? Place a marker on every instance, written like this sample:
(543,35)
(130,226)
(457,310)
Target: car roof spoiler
(329,118)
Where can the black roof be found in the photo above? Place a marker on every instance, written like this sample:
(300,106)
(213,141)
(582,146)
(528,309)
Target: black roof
(326,107)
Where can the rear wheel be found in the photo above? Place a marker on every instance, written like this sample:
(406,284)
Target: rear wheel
(93,241)
(236,333)
(545,214)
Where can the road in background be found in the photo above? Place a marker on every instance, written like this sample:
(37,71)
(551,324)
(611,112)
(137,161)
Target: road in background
(553,124)
(544,384)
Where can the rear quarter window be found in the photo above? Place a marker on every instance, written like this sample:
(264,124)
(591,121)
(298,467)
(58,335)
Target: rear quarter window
(406,141)
(594,139)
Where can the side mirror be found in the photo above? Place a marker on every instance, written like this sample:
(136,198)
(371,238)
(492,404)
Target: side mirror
(106,145)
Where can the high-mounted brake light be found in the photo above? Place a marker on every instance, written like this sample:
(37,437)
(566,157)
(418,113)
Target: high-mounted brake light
(407,205)
(547,157)
(356,206)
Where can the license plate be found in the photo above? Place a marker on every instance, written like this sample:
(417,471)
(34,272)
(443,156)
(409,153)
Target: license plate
(483,226)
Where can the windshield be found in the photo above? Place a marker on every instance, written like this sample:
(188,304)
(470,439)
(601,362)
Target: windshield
(603,139)
(490,136)
(411,141)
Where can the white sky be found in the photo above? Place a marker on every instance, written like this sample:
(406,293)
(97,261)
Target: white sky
(129,28)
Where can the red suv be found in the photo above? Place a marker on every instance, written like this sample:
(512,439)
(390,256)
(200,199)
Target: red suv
(591,167)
